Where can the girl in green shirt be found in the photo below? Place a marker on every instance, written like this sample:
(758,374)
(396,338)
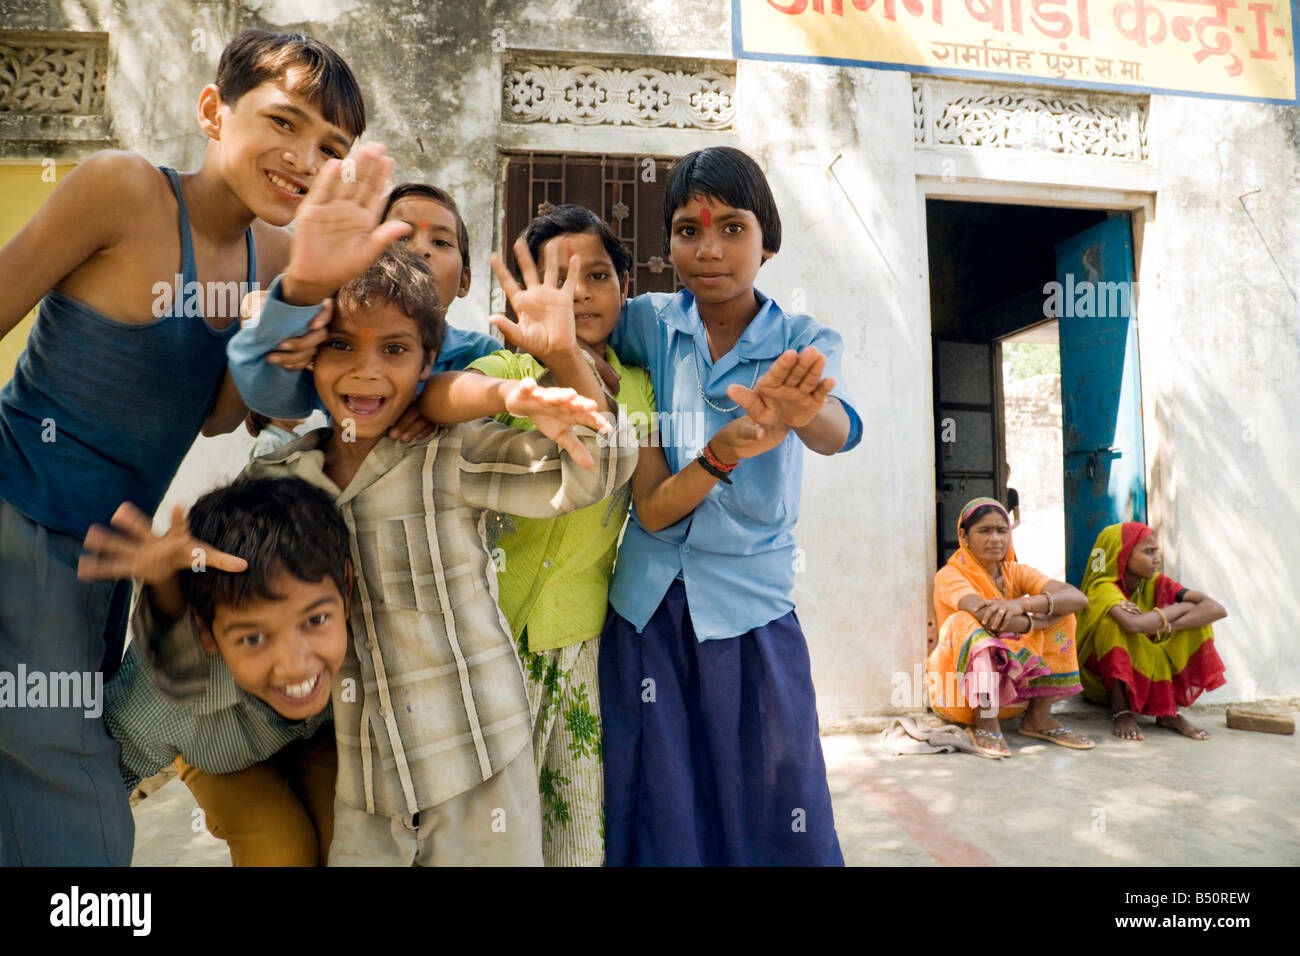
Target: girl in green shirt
(553,575)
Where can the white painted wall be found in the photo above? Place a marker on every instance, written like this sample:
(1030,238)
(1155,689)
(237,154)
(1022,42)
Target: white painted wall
(1220,346)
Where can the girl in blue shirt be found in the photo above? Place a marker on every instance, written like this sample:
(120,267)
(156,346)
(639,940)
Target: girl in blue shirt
(711,746)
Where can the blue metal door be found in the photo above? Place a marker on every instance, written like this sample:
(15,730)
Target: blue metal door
(1101,391)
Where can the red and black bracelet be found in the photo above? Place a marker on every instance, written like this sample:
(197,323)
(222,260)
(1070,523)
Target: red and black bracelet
(710,463)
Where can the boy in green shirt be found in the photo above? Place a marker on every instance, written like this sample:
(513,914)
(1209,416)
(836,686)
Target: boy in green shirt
(554,574)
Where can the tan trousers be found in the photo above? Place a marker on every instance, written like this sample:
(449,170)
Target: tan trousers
(276,813)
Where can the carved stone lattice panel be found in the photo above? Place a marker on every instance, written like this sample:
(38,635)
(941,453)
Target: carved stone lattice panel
(1038,119)
(611,96)
(53,73)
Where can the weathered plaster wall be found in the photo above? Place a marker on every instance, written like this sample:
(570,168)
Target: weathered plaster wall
(1220,345)
(1218,332)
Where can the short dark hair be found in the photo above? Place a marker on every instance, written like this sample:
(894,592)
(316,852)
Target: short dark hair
(440,196)
(277,525)
(572,217)
(726,174)
(255,56)
(400,278)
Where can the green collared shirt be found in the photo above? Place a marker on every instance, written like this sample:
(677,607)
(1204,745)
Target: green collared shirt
(553,574)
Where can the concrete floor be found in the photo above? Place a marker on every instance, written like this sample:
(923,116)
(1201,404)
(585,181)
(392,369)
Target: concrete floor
(1229,801)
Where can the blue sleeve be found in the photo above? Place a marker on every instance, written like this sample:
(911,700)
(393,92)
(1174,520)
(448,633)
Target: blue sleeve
(275,392)
(831,344)
(635,330)
(460,347)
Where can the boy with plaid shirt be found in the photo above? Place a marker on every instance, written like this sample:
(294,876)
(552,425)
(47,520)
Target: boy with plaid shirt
(431,716)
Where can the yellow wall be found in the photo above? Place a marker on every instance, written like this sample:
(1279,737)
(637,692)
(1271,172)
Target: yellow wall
(22,190)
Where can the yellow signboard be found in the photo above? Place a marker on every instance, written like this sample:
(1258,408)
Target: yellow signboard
(1239,49)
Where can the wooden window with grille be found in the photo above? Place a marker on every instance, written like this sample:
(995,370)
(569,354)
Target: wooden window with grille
(626,191)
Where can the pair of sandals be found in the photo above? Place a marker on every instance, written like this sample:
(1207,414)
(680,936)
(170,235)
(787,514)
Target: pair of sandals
(1055,736)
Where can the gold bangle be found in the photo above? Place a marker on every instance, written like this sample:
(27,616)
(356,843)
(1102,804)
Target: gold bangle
(1164,627)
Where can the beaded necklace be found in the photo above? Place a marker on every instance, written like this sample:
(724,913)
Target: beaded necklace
(699,383)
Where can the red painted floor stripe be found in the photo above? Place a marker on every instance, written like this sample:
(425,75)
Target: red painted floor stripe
(921,825)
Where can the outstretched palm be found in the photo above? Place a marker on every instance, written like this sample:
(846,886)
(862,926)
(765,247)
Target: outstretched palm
(555,411)
(337,233)
(544,307)
(790,393)
(131,549)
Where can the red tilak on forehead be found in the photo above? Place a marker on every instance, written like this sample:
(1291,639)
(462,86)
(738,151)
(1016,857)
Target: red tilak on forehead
(706,215)
(365,333)
(422,225)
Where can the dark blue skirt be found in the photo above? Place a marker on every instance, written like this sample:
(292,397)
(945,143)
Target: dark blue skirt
(711,749)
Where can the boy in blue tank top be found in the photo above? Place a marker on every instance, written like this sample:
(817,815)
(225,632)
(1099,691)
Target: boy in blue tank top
(121,372)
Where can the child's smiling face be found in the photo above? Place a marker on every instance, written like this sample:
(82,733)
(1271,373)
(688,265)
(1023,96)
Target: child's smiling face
(273,142)
(368,370)
(716,249)
(435,237)
(285,651)
(599,293)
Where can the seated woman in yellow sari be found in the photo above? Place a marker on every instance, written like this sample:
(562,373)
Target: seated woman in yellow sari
(1006,638)
(1131,654)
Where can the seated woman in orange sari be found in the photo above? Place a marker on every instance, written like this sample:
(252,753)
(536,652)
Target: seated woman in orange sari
(1006,638)
(1145,642)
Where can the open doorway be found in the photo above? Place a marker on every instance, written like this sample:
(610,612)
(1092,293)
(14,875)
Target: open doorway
(1034,456)
(1011,288)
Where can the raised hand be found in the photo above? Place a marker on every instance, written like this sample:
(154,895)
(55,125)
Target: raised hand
(744,438)
(337,233)
(296,353)
(555,411)
(544,307)
(790,393)
(412,425)
(131,550)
